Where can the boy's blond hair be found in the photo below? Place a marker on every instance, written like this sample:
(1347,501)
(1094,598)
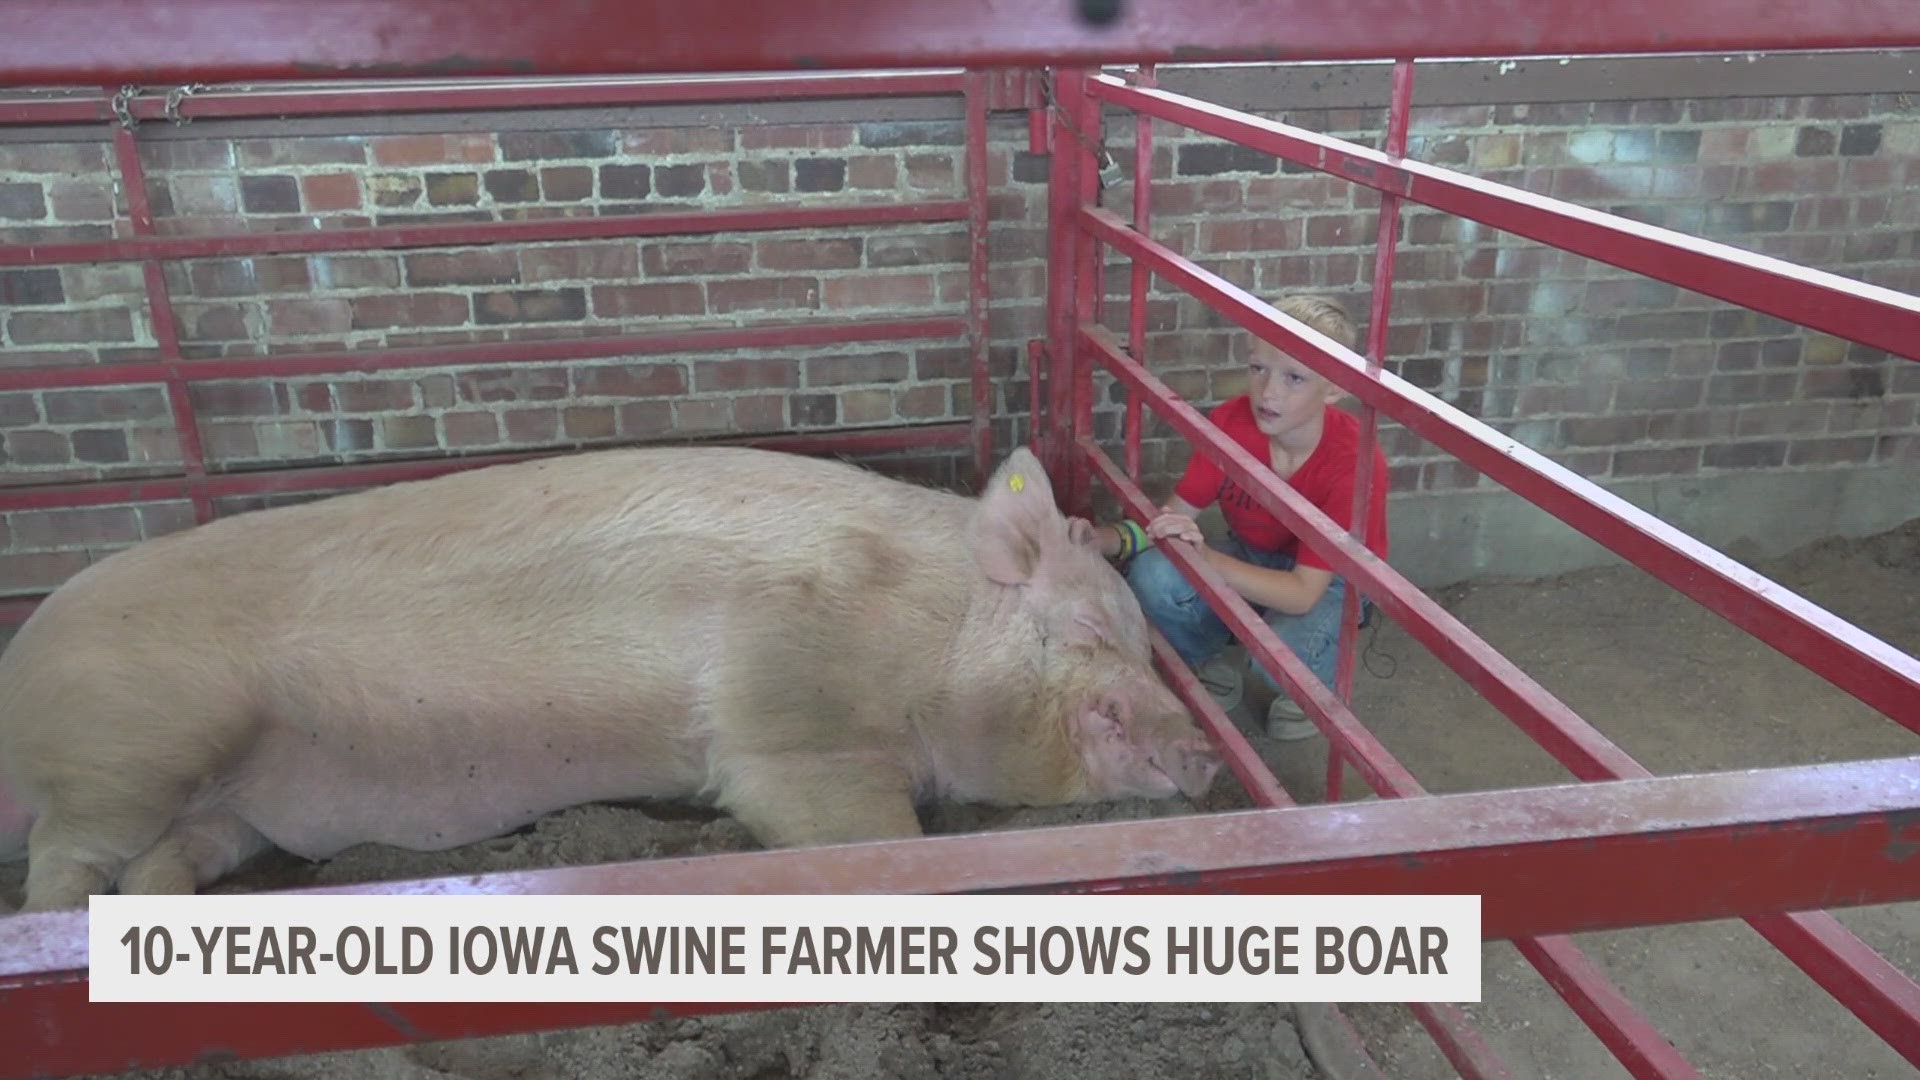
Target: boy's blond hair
(1325,315)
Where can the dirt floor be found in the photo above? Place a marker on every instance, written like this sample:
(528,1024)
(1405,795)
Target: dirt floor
(1675,686)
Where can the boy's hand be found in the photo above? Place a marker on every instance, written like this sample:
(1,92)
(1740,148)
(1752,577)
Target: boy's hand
(1178,527)
(1080,530)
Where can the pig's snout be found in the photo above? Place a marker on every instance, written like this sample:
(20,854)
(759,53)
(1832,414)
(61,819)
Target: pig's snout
(1191,764)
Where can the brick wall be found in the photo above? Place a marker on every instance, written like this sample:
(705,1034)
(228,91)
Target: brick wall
(1610,374)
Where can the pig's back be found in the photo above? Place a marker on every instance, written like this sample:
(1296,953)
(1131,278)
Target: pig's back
(524,544)
(616,557)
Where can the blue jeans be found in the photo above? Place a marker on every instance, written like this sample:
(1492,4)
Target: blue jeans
(1181,614)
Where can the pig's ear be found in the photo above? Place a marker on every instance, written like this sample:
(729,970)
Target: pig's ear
(1017,520)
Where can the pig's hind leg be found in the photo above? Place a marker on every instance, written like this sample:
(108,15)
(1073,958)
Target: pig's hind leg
(143,844)
(106,817)
(196,851)
(72,855)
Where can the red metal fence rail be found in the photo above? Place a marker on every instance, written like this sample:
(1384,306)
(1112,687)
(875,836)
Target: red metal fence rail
(1546,861)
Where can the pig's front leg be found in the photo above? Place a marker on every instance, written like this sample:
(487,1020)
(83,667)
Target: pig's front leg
(822,798)
(806,749)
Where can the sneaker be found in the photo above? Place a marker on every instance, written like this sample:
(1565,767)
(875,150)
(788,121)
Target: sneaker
(1222,679)
(1287,722)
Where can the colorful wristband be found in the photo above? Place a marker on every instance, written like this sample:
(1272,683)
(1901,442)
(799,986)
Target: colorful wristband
(1133,539)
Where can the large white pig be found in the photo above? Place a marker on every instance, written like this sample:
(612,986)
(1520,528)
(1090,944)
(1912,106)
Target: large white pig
(808,645)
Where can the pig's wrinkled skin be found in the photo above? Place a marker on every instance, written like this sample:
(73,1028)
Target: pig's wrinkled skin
(812,647)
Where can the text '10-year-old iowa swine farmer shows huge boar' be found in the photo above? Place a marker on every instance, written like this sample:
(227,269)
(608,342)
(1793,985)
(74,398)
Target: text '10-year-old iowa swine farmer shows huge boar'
(809,645)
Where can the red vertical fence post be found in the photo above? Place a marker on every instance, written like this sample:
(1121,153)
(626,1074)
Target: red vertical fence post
(1137,295)
(1399,118)
(1070,174)
(1090,282)
(977,295)
(1060,240)
(166,330)
(1036,359)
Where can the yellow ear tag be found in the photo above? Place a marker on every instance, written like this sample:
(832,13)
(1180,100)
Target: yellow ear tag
(1016,481)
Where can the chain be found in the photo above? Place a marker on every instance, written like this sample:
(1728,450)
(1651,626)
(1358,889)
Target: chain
(122,102)
(1107,164)
(178,94)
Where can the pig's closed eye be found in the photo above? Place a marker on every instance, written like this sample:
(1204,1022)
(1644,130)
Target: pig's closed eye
(1089,631)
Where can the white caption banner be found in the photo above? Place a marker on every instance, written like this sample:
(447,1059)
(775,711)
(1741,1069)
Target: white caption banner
(808,948)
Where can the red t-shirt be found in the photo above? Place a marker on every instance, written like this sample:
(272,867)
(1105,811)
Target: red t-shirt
(1325,479)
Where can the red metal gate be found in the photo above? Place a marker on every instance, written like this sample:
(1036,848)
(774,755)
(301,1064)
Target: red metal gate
(1544,860)
(120,112)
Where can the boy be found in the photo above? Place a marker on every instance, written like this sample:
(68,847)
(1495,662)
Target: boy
(1287,419)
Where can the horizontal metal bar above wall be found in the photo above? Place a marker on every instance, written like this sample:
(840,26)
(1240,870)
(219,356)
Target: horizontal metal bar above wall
(294,110)
(283,100)
(736,114)
(1259,87)
(106,42)
(1543,80)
